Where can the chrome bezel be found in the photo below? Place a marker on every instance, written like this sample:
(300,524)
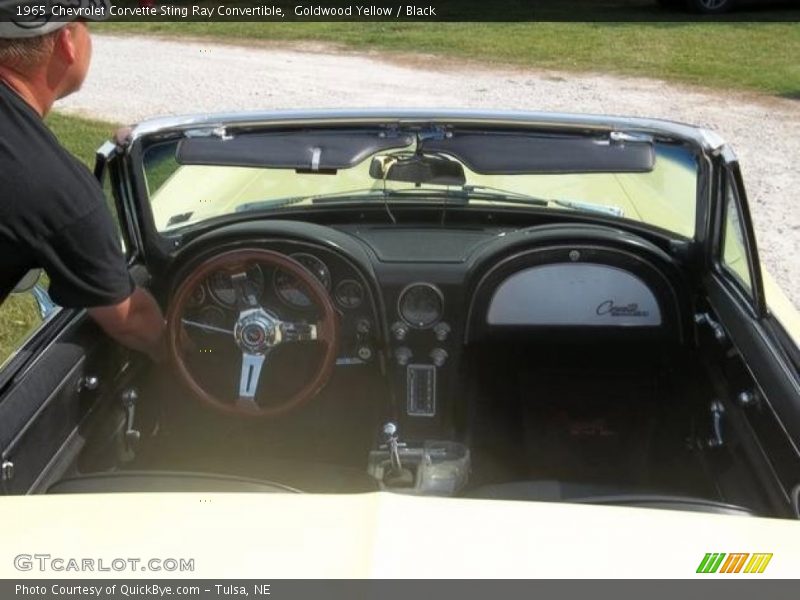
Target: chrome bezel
(349,281)
(225,305)
(191,303)
(295,256)
(408,321)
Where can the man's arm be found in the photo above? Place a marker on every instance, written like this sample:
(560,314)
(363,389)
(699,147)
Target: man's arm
(136,322)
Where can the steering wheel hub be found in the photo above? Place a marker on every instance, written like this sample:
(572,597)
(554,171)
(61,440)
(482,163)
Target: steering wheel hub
(257,332)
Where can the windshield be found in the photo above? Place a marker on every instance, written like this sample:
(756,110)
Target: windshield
(186,194)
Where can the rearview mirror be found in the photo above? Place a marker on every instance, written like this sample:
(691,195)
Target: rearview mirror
(418,168)
(27,282)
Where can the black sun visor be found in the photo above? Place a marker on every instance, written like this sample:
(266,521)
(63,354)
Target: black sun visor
(484,152)
(501,153)
(304,150)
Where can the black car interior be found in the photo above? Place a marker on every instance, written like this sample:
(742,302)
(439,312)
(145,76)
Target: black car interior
(461,370)
(435,349)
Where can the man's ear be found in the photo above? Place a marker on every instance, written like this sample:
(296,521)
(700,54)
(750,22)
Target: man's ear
(65,46)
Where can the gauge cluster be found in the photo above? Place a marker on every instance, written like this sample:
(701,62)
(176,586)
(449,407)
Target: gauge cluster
(221,290)
(214,301)
(347,292)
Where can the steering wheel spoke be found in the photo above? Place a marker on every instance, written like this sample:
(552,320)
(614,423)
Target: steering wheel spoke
(206,327)
(246,296)
(249,378)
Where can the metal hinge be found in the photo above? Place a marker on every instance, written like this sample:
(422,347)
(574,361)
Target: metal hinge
(7,470)
(717,417)
(716,328)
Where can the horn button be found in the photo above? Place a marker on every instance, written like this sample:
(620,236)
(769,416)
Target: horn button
(257,331)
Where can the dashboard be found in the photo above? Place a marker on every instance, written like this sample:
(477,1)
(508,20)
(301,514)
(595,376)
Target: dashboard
(410,300)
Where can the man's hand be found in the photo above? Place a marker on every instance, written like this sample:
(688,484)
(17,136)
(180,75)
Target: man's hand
(136,322)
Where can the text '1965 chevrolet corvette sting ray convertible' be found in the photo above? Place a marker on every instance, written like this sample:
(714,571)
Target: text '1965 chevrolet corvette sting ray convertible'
(503,306)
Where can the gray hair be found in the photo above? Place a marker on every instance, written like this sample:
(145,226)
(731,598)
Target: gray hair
(23,54)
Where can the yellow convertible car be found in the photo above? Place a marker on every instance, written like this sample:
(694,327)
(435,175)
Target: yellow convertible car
(477,306)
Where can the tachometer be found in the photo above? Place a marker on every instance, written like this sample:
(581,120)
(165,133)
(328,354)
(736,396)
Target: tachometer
(221,289)
(288,287)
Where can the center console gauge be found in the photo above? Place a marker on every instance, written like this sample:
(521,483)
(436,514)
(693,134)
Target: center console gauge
(421,305)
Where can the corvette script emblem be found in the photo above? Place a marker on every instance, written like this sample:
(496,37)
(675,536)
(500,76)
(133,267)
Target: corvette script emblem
(629,310)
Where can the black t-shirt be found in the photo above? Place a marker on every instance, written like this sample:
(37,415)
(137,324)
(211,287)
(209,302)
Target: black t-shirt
(53,215)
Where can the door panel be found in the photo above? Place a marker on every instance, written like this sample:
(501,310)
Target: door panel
(736,297)
(46,400)
(775,419)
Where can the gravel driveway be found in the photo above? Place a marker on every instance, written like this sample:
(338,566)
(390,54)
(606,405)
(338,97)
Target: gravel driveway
(136,77)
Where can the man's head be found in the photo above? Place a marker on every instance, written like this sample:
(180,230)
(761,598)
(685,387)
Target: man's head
(45,57)
(60,57)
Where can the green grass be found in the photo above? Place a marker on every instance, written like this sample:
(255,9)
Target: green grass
(19,316)
(762,57)
(82,137)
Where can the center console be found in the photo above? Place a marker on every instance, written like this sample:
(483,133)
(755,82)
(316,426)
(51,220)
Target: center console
(429,468)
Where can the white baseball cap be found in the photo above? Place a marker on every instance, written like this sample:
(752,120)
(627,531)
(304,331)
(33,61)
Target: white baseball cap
(15,24)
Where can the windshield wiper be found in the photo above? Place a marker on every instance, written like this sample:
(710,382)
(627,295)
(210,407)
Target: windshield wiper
(518,197)
(271,203)
(463,194)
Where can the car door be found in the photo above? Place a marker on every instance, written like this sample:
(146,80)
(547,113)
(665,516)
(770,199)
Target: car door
(767,384)
(55,367)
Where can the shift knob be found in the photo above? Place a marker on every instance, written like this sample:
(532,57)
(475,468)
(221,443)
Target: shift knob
(390,430)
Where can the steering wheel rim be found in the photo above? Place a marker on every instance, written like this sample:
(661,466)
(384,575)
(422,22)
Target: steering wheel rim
(268,331)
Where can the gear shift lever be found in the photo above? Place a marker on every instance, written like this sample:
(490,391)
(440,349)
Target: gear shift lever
(392,441)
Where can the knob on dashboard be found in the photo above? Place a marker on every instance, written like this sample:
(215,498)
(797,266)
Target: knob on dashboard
(400,331)
(403,355)
(363,327)
(441,331)
(439,356)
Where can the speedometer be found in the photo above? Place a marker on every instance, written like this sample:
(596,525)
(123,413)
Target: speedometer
(288,287)
(220,285)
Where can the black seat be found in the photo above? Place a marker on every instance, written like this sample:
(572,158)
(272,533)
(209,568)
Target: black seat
(557,491)
(162,481)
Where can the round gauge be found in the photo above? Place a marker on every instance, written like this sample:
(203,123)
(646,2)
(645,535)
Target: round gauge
(198,296)
(288,287)
(349,294)
(221,287)
(421,305)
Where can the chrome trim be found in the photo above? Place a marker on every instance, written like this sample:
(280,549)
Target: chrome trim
(249,377)
(225,306)
(413,409)
(296,256)
(630,125)
(403,292)
(562,245)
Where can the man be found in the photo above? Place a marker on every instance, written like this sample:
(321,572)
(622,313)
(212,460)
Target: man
(53,212)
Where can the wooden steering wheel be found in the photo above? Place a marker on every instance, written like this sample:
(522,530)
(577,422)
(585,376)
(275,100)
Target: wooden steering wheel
(257,331)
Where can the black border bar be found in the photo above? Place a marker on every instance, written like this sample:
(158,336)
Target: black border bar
(393,10)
